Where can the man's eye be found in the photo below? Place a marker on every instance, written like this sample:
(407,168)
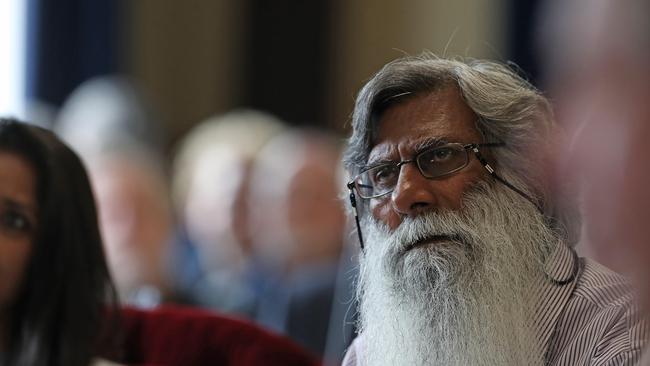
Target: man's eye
(384,174)
(15,221)
(442,155)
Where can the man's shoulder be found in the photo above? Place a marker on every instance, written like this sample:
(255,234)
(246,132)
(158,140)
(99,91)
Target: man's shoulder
(603,288)
(611,301)
(600,323)
(603,309)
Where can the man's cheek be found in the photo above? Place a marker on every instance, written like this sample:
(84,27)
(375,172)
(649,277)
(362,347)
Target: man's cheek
(383,212)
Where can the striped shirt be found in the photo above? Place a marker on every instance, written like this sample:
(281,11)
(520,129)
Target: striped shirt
(645,361)
(587,319)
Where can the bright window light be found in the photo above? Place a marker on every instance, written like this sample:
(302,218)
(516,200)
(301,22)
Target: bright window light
(12,57)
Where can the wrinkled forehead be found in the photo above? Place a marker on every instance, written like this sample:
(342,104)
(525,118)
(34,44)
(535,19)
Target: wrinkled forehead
(423,119)
(390,97)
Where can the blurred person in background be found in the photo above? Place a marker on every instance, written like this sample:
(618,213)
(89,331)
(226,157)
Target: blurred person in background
(598,68)
(55,288)
(58,306)
(137,223)
(108,108)
(297,228)
(211,174)
(109,124)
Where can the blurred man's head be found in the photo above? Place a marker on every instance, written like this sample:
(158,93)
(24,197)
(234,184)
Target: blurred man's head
(453,254)
(106,109)
(598,57)
(297,219)
(135,217)
(211,178)
(108,122)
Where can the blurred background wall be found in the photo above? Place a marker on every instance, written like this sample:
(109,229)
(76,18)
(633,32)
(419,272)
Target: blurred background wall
(303,61)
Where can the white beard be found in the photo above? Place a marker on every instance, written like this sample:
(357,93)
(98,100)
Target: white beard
(467,301)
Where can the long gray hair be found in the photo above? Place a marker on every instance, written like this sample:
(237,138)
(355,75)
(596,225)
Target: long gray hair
(508,109)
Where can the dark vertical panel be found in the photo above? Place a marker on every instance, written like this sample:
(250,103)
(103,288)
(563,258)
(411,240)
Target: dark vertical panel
(32,53)
(521,37)
(286,57)
(69,41)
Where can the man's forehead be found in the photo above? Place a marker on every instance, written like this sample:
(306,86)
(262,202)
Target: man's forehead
(425,120)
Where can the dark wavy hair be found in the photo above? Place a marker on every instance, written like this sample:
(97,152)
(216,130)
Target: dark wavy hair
(65,312)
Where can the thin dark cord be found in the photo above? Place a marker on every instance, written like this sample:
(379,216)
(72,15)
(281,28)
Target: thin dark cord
(353,203)
(517,190)
(576,262)
(494,174)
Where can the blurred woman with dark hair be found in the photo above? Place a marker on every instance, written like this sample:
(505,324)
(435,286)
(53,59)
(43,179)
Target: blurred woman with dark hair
(55,288)
(58,306)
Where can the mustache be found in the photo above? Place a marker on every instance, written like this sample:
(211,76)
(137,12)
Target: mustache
(435,240)
(429,230)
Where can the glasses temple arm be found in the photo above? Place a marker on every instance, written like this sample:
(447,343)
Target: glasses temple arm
(353,203)
(493,173)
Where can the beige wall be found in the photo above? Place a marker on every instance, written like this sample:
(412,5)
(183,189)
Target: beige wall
(369,33)
(187,53)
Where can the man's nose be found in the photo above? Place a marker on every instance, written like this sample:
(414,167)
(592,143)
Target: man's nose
(413,193)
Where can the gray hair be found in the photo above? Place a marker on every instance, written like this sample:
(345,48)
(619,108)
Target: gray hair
(508,109)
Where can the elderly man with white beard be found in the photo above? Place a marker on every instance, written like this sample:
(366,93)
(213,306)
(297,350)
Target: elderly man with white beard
(466,238)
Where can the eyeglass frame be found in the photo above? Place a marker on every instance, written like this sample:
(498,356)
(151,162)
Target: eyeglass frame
(351,185)
(354,183)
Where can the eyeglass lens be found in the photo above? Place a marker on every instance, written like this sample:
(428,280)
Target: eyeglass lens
(432,163)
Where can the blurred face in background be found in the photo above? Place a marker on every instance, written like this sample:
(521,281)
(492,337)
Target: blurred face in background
(215,209)
(18,210)
(601,82)
(297,219)
(135,221)
(313,210)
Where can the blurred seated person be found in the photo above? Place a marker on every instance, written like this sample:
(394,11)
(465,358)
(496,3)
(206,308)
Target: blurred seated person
(136,222)
(107,108)
(598,67)
(107,121)
(597,55)
(57,302)
(297,227)
(211,173)
(55,288)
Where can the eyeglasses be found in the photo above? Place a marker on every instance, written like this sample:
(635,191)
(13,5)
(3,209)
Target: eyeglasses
(433,163)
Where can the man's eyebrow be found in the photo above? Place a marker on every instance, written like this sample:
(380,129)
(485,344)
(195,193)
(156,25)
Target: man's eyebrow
(377,162)
(419,146)
(428,143)
(380,157)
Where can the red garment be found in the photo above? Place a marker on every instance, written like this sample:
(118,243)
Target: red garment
(173,336)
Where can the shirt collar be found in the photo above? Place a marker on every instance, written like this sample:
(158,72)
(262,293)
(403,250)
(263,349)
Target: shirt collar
(560,267)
